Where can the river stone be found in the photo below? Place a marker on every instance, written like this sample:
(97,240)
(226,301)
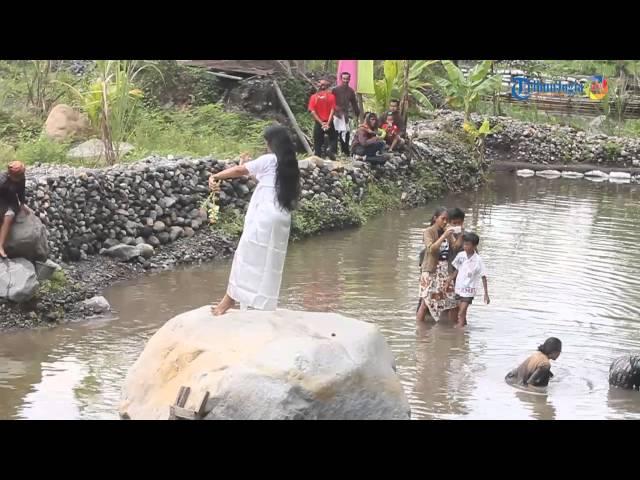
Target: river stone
(167,202)
(159,227)
(163,237)
(154,241)
(145,250)
(110,242)
(94,148)
(175,233)
(267,365)
(28,238)
(123,252)
(65,123)
(624,372)
(97,304)
(18,280)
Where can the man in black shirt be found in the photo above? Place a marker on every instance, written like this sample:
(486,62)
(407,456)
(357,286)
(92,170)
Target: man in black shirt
(346,102)
(12,184)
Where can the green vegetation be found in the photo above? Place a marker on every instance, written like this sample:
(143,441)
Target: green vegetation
(397,75)
(57,282)
(465,92)
(204,130)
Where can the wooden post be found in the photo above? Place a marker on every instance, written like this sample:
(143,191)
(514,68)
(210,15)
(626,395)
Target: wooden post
(292,119)
(404,112)
(361,107)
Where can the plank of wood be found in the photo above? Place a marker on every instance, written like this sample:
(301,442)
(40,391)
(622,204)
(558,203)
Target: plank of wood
(292,118)
(179,413)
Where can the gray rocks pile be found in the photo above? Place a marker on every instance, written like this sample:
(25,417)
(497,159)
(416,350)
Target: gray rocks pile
(18,280)
(129,211)
(152,202)
(548,144)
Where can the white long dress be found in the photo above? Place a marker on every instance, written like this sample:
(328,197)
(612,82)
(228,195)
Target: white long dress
(257,267)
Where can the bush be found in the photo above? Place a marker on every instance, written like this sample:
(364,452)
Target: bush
(42,150)
(179,85)
(205,130)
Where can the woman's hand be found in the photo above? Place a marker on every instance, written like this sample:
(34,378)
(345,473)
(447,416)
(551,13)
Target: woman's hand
(487,300)
(214,184)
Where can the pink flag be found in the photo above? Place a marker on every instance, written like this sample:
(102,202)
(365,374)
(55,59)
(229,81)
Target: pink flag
(349,66)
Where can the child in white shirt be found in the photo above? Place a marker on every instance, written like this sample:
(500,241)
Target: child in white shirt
(469,268)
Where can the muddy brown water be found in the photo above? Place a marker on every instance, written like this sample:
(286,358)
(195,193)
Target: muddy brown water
(562,257)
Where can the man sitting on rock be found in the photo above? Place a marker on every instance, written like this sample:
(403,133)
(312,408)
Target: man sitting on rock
(12,185)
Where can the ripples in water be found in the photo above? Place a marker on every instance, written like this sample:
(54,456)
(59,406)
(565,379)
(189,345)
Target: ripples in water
(560,260)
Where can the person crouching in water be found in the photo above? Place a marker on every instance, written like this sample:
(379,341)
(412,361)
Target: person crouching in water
(12,186)
(535,371)
(468,269)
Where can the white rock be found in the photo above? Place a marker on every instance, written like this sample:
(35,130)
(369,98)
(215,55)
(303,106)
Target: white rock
(305,164)
(98,304)
(525,173)
(548,173)
(596,173)
(94,148)
(18,280)
(145,250)
(596,179)
(619,180)
(267,365)
(567,174)
(624,175)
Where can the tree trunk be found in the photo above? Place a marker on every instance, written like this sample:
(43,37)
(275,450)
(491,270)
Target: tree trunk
(404,111)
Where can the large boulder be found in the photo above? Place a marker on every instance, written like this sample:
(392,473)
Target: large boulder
(94,148)
(18,280)
(624,372)
(28,239)
(65,123)
(266,365)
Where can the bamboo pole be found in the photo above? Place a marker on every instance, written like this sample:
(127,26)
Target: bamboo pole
(292,119)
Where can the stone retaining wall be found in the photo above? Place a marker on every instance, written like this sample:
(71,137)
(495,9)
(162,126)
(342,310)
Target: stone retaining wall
(548,144)
(157,200)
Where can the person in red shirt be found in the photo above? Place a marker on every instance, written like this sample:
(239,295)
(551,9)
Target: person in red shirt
(392,137)
(322,106)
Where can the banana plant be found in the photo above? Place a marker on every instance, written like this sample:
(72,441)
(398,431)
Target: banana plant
(393,83)
(111,101)
(479,135)
(465,92)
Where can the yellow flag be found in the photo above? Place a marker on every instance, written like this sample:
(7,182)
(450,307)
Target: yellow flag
(365,77)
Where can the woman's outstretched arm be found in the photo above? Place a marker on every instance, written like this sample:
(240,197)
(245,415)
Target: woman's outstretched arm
(233,172)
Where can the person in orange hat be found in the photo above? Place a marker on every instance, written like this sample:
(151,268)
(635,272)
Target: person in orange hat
(12,186)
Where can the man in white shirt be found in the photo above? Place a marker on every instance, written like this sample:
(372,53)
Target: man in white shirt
(469,269)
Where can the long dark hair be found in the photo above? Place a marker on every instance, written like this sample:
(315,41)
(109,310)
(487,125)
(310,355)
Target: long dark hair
(287,172)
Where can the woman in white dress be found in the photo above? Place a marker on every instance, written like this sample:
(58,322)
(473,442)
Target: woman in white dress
(257,267)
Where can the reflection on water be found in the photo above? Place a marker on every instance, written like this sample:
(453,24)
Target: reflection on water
(560,259)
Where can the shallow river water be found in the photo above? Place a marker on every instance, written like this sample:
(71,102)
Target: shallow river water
(562,261)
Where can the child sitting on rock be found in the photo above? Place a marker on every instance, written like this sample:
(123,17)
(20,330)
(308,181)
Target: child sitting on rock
(392,132)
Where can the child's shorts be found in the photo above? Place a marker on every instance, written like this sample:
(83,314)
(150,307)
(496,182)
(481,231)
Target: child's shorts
(468,300)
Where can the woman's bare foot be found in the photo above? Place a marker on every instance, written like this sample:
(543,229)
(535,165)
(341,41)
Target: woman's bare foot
(225,304)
